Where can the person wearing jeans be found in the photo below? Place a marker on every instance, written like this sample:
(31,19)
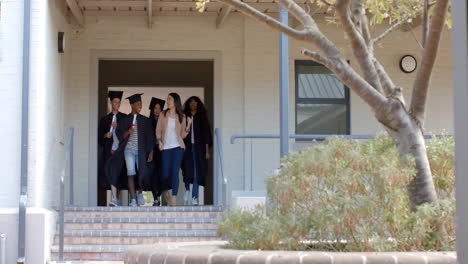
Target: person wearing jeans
(138,134)
(171,130)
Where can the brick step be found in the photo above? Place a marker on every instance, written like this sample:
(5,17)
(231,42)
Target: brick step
(140,220)
(141,233)
(139,226)
(92,261)
(129,240)
(91,252)
(104,233)
(206,208)
(142,214)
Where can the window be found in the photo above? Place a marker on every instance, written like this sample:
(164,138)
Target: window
(322,101)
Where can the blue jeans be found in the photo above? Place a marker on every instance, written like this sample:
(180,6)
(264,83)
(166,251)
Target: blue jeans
(171,160)
(195,186)
(131,160)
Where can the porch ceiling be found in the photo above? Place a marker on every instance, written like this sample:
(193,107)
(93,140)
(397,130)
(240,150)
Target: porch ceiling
(154,8)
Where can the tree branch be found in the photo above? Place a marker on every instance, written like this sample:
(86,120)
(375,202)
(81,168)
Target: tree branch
(326,2)
(392,28)
(313,35)
(423,76)
(265,19)
(366,34)
(414,36)
(315,56)
(298,12)
(388,86)
(346,74)
(358,45)
(387,83)
(425,22)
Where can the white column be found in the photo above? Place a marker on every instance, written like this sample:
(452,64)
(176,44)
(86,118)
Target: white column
(460,93)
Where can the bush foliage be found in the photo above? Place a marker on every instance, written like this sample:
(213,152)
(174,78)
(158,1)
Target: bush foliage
(348,195)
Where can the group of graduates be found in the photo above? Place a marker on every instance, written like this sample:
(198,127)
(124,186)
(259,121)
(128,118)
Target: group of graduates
(139,153)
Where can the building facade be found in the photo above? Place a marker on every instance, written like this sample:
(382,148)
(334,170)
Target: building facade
(170,48)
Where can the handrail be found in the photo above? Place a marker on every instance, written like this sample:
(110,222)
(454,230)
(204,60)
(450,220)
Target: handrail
(219,152)
(295,136)
(68,161)
(311,137)
(2,249)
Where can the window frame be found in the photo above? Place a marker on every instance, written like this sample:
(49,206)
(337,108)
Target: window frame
(344,101)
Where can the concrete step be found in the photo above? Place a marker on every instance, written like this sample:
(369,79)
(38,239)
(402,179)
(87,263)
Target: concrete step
(93,262)
(144,211)
(140,233)
(204,208)
(103,233)
(142,214)
(141,220)
(129,240)
(91,252)
(139,226)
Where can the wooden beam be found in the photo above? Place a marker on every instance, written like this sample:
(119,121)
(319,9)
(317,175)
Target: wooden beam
(222,16)
(92,4)
(149,9)
(110,3)
(76,11)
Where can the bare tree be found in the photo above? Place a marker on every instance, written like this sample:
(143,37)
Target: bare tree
(403,123)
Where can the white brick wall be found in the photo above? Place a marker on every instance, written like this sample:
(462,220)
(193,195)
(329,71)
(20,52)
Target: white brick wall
(46,103)
(249,73)
(10,97)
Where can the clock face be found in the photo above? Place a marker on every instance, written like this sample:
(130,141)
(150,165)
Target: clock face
(408,64)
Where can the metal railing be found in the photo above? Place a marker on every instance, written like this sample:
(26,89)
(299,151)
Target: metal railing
(2,249)
(68,162)
(220,177)
(295,136)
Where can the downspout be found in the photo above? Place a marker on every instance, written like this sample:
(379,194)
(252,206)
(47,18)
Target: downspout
(24,135)
(284,86)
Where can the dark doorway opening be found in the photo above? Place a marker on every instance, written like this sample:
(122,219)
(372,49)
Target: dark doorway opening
(130,73)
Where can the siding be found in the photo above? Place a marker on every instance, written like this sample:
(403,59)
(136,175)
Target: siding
(249,81)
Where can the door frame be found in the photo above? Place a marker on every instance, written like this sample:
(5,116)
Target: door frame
(144,55)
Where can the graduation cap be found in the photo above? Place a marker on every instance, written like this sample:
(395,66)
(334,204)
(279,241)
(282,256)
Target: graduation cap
(115,94)
(155,101)
(134,98)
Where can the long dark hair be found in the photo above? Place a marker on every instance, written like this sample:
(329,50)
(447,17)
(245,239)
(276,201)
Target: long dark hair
(201,110)
(151,116)
(178,106)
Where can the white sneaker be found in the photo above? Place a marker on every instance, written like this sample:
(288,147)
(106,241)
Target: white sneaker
(186,197)
(114,203)
(141,199)
(133,203)
(194,201)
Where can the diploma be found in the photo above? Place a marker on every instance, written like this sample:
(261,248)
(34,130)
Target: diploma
(114,119)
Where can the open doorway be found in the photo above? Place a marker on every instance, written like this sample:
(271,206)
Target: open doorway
(157,79)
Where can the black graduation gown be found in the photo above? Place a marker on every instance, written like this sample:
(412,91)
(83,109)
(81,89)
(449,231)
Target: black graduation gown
(203,136)
(156,180)
(105,146)
(146,142)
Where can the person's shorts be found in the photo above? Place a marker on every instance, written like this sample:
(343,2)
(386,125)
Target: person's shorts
(131,160)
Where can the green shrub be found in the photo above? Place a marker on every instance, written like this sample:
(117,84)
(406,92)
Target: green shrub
(348,195)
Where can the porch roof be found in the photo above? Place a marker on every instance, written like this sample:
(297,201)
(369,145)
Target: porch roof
(154,8)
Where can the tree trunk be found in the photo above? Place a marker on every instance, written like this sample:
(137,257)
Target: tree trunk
(409,139)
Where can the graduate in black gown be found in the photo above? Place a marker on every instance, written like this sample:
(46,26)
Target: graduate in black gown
(156,107)
(108,144)
(197,149)
(136,150)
